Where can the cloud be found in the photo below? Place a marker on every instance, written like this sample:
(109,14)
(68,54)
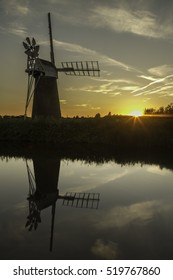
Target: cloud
(73,48)
(81,105)
(16,7)
(136,17)
(139,22)
(95,108)
(138,213)
(161,71)
(63,101)
(161,81)
(15,29)
(113,87)
(117,81)
(129,88)
(128,18)
(117,86)
(147,78)
(13,17)
(90,89)
(113,62)
(78,49)
(142,89)
(160,85)
(105,249)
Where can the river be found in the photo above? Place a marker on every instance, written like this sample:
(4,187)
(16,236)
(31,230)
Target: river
(65,208)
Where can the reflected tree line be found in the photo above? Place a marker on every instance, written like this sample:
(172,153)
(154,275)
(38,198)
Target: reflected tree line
(89,154)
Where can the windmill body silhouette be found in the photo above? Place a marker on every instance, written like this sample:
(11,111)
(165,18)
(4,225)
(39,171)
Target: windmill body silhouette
(43,75)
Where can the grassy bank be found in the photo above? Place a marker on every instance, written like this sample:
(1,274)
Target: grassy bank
(116,131)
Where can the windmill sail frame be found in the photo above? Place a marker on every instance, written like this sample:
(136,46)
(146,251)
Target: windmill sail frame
(80,68)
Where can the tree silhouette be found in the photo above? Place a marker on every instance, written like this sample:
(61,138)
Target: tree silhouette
(161,111)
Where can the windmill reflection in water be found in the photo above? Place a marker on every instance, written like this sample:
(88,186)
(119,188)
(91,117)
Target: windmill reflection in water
(44,193)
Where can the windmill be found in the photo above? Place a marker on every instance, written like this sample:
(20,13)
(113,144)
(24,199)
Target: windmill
(43,75)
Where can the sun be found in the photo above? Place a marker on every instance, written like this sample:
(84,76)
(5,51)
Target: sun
(136,113)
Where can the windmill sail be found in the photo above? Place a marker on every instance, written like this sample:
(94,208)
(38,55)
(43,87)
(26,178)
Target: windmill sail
(80,68)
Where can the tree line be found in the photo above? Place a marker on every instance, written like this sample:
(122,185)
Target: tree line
(168,110)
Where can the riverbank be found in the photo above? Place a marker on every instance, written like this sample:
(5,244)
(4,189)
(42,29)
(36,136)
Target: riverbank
(115,131)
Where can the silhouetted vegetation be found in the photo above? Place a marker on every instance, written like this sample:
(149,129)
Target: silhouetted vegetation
(168,110)
(115,131)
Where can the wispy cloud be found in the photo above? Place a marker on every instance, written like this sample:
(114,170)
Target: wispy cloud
(160,85)
(81,105)
(112,62)
(15,28)
(139,22)
(95,108)
(147,78)
(121,16)
(75,48)
(148,85)
(112,87)
(91,89)
(161,82)
(117,81)
(63,101)
(161,70)
(117,86)
(16,7)
(24,10)
(129,88)
(14,12)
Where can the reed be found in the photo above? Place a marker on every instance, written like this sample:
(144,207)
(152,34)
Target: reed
(117,131)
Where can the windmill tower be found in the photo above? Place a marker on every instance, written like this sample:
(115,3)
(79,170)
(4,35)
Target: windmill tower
(43,75)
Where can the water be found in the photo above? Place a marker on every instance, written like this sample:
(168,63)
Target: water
(124,211)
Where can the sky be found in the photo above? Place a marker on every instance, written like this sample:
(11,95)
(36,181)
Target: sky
(131,39)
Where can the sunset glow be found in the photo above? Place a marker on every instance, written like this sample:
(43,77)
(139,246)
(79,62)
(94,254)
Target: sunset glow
(136,113)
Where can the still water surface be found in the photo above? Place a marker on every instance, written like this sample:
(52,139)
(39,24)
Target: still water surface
(85,210)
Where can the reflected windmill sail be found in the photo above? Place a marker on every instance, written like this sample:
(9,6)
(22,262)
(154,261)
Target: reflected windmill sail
(82,200)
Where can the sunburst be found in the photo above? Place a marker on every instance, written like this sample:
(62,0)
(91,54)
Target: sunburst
(136,113)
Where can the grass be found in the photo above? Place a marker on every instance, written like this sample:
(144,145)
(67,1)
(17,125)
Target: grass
(116,131)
